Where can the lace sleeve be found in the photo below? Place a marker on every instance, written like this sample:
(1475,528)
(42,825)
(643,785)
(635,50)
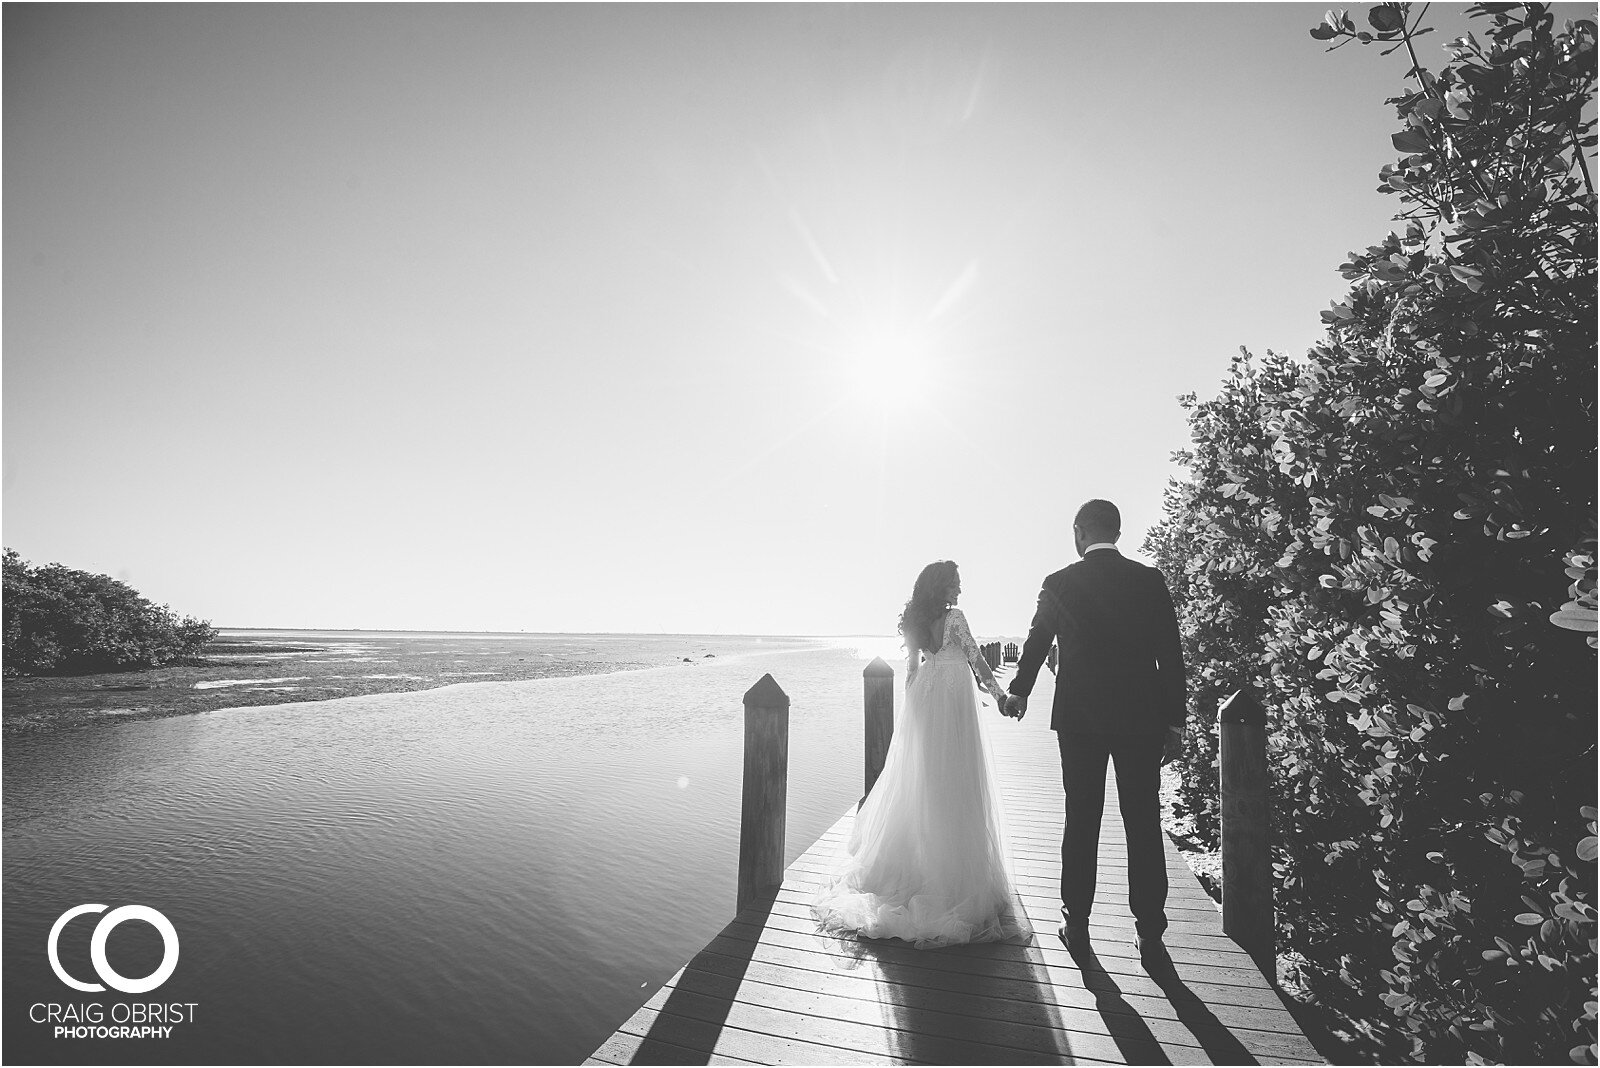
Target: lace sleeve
(962,634)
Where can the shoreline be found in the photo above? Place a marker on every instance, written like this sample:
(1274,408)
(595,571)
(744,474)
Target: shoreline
(257,668)
(146,698)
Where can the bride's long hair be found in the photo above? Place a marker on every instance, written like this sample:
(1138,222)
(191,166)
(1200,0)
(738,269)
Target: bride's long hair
(927,604)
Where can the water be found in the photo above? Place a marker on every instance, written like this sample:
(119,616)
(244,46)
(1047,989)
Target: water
(491,872)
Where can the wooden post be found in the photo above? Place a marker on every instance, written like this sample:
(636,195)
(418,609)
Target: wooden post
(766,788)
(1247,911)
(878,698)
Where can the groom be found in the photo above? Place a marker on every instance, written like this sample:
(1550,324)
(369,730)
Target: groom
(1119,697)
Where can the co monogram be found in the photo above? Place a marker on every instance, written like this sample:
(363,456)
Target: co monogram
(97,948)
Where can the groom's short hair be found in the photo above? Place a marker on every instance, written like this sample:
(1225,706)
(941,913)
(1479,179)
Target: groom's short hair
(1099,520)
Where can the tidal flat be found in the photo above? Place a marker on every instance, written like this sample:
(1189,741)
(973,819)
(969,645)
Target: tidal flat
(247,668)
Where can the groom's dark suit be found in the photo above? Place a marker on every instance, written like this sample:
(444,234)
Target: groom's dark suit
(1119,688)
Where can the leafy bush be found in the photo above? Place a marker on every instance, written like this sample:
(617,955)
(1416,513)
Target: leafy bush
(1392,541)
(60,621)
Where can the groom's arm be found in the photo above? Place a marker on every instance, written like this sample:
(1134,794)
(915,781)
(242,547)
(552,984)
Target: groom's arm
(1041,633)
(1172,688)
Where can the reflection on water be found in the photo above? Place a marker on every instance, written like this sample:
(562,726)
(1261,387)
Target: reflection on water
(492,872)
(867,647)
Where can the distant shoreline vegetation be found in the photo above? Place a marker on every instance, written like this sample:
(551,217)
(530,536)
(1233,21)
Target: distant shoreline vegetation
(59,621)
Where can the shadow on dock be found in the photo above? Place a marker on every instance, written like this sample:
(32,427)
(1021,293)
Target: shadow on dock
(696,1010)
(1133,1037)
(943,1010)
(1220,1043)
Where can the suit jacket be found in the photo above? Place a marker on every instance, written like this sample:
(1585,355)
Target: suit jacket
(1121,664)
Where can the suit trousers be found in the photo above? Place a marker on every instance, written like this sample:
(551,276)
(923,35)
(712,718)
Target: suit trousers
(1083,774)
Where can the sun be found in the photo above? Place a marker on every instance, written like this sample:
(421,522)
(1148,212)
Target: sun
(888,368)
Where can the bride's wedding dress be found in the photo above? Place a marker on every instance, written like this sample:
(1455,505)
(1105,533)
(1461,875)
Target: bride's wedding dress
(927,858)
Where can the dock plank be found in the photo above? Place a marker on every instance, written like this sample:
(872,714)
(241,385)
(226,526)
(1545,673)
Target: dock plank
(772,989)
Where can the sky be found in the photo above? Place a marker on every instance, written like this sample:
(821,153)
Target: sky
(665,318)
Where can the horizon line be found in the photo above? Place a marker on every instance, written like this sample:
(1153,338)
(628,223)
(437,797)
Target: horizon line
(564,633)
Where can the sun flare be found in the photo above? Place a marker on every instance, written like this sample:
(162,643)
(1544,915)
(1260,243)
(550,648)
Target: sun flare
(888,368)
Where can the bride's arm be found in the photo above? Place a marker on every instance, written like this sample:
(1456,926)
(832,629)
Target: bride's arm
(969,648)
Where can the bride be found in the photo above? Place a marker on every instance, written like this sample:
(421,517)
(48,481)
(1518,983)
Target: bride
(927,859)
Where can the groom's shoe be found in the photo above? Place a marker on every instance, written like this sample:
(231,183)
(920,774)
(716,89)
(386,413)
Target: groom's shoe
(1073,935)
(1153,955)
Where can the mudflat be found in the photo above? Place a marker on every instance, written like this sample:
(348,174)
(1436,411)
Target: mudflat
(245,668)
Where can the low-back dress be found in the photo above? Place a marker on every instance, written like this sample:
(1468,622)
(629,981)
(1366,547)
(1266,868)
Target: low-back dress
(927,859)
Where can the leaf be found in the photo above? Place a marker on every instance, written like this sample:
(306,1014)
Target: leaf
(1385,19)
(1584,620)
(1529,919)
(1324,32)
(1410,142)
(1588,848)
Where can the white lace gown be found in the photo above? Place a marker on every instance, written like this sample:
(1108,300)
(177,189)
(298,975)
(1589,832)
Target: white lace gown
(927,861)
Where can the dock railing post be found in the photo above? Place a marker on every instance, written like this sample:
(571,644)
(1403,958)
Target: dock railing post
(877,684)
(766,789)
(1247,909)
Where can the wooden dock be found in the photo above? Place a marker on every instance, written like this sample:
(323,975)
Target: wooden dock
(770,989)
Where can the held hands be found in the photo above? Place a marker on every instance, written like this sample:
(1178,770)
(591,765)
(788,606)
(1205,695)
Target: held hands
(1014,706)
